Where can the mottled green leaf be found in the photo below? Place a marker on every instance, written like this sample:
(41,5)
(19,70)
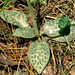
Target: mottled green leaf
(69,37)
(51,28)
(15,18)
(38,55)
(41,1)
(26,32)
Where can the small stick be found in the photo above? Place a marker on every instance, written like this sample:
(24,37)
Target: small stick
(13,54)
(20,61)
(53,59)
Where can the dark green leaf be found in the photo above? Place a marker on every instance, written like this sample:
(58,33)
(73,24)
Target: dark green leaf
(65,31)
(63,23)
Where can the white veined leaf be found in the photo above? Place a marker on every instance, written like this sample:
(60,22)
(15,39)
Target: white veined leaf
(15,18)
(38,55)
(51,28)
(26,32)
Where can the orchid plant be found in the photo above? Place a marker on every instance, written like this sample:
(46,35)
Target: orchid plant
(39,51)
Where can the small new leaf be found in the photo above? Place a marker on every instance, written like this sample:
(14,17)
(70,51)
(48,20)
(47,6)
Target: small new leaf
(15,18)
(38,55)
(26,32)
(63,23)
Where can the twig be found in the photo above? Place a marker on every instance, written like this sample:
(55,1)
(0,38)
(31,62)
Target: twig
(45,9)
(5,59)
(53,59)
(3,51)
(19,61)
(13,54)
(69,46)
(60,60)
(48,1)
(17,48)
(69,68)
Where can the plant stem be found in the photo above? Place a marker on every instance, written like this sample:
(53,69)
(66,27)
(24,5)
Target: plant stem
(38,14)
(32,16)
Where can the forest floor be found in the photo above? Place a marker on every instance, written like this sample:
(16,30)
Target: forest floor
(13,50)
